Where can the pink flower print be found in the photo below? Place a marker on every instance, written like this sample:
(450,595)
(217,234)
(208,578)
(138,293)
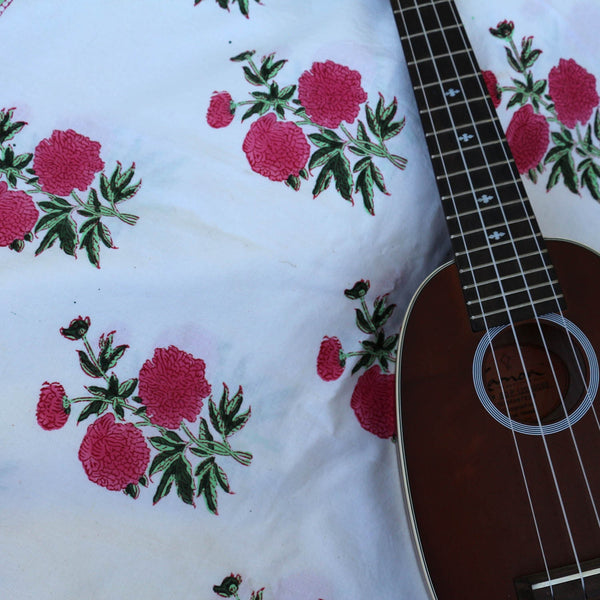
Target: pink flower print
(220,112)
(51,413)
(172,385)
(331,93)
(491,83)
(113,454)
(573,91)
(276,149)
(330,362)
(18,214)
(65,161)
(374,402)
(528,136)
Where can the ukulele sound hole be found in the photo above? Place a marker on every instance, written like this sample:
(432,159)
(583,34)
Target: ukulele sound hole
(538,377)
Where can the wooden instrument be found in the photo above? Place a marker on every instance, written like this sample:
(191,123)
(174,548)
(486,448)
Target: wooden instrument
(497,370)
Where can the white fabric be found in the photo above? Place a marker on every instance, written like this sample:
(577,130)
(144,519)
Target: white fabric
(237,270)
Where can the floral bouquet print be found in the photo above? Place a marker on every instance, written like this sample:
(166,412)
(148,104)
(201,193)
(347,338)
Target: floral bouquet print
(374,398)
(171,392)
(61,165)
(302,128)
(557,121)
(243,5)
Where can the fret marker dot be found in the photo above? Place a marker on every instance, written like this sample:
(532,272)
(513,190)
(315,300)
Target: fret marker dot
(485,199)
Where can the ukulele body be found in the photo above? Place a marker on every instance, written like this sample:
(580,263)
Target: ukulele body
(465,491)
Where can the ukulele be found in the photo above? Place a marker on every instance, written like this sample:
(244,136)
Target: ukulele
(499,446)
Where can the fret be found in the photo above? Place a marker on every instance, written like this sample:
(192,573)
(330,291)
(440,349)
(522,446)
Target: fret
(486,147)
(480,190)
(446,30)
(473,169)
(513,225)
(535,276)
(553,300)
(433,95)
(481,210)
(529,291)
(459,114)
(507,266)
(476,178)
(454,128)
(499,247)
(445,55)
(450,66)
(415,19)
(517,217)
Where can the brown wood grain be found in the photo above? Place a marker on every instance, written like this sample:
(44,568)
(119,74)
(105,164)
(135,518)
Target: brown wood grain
(470,505)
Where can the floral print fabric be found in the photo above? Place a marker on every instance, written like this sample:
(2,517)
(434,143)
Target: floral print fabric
(213,215)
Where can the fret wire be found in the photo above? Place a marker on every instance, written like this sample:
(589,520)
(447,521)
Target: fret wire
(553,298)
(486,229)
(471,169)
(477,190)
(430,31)
(445,55)
(503,260)
(490,247)
(489,281)
(449,129)
(485,208)
(483,145)
(518,291)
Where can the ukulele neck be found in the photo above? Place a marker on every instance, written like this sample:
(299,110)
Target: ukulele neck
(504,268)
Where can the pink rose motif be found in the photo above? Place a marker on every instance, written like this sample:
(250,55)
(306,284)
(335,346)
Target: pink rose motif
(374,402)
(114,454)
(172,386)
(220,112)
(330,364)
(18,214)
(528,136)
(573,91)
(491,83)
(65,161)
(331,93)
(276,149)
(50,412)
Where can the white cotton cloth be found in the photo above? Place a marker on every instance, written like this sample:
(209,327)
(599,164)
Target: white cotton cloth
(239,271)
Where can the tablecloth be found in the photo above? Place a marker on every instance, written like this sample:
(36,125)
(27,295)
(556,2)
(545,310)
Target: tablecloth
(213,215)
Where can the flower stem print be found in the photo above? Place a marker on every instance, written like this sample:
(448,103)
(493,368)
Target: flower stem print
(327,98)
(243,5)
(171,390)
(230,586)
(61,164)
(557,122)
(373,399)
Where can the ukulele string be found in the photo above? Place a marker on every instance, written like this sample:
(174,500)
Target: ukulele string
(559,309)
(468,257)
(495,266)
(512,325)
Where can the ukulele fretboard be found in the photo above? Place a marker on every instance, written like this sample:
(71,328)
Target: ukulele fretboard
(503,263)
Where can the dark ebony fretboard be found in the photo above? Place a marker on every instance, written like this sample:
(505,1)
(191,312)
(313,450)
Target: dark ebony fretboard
(503,263)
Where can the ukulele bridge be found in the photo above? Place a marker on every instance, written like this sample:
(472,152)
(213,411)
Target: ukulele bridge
(564,583)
